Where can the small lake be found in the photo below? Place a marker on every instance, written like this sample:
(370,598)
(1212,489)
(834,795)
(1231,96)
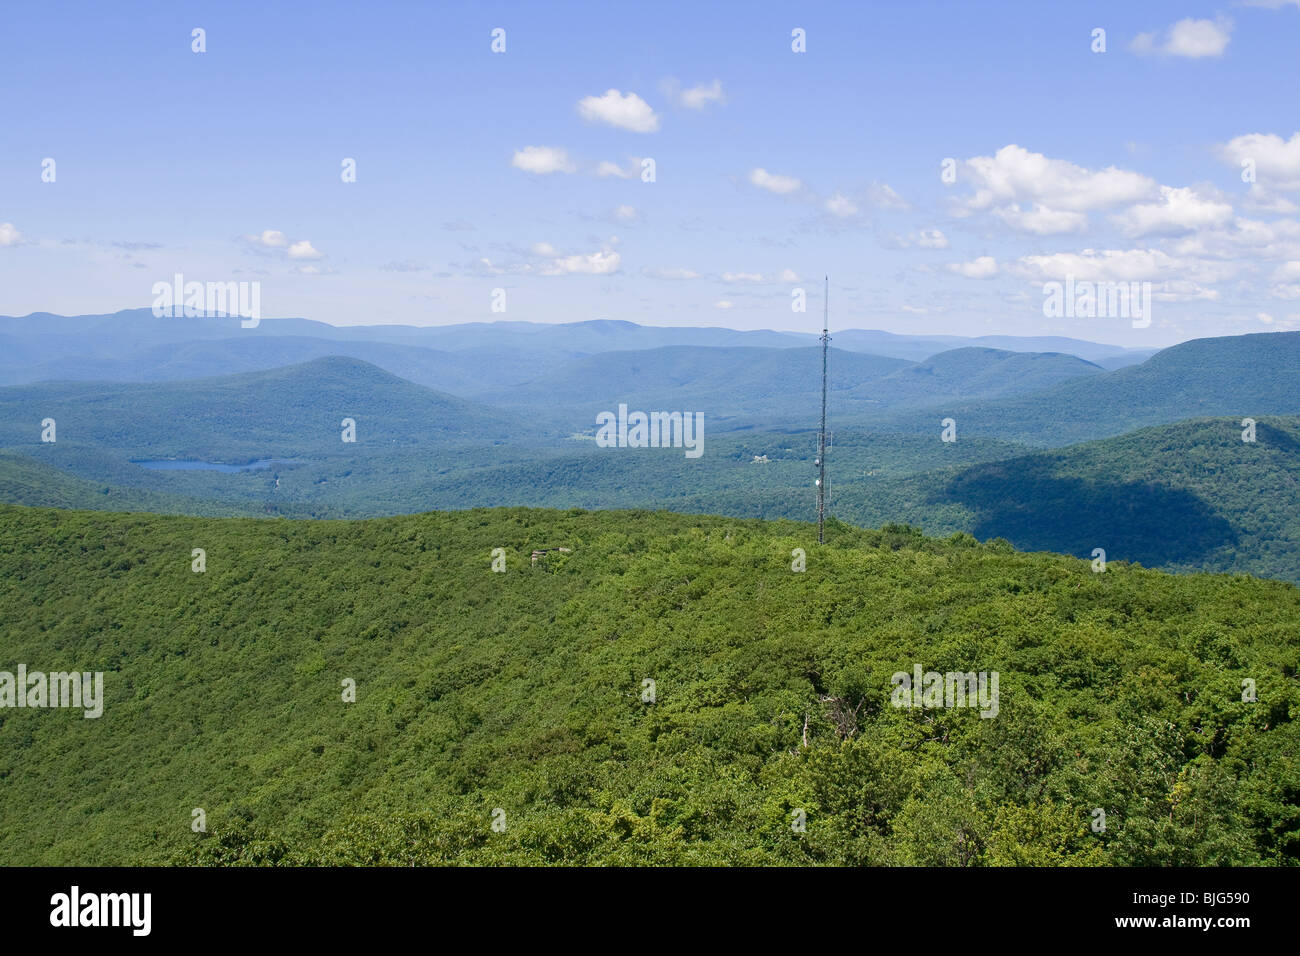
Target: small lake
(172,464)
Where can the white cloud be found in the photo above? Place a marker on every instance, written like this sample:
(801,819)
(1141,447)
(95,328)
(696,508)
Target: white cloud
(841,206)
(269,239)
(1276,160)
(626,111)
(781,185)
(1174,290)
(1249,238)
(606,169)
(758,278)
(9,236)
(1122,265)
(545,249)
(593,264)
(1178,211)
(931,239)
(302,249)
(670,273)
(276,242)
(626,213)
(723,304)
(1288,270)
(985,267)
(883,196)
(1261,199)
(1187,38)
(1015,175)
(542,160)
(1042,221)
(698,97)
(921,238)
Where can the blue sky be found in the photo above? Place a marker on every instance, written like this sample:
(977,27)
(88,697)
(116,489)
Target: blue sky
(479,170)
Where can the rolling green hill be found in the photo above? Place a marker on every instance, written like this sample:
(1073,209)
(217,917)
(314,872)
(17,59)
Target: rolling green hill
(966,372)
(1241,375)
(296,410)
(24,480)
(733,387)
(766,387)
(521,697)
(1187,496)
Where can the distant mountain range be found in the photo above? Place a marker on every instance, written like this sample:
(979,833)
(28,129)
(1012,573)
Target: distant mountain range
(1163,478)
(1241,375)
(133,345)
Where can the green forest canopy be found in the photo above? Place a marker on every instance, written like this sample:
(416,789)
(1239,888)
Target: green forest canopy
(523,692)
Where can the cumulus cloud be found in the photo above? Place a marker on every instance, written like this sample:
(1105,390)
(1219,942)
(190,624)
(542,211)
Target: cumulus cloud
(984,267)
(547,259)
(883,196)
(273,242)
(625,213)
(670,273)
(1177,211)
(1042,221)
(698,97)
(1249,238)
(9,236)
(774,183)
(1276,161)
(593,264)
(268,239)
(1122,265)
(1261,199)
(302,249)
(930,239)
(723,304)
(759,278)
(879,195)
(1016,175)
(543,160)
(841,206)
(1189,38)
(624,110)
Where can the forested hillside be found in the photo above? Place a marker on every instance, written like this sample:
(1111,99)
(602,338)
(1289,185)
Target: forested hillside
(520,698)
(1237,375)
(1187,496)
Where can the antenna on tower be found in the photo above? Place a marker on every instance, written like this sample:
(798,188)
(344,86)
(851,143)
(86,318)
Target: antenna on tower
(821,436)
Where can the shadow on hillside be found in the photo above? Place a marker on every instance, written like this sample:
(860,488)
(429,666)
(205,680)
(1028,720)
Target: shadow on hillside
(1036,510)
(1275,437)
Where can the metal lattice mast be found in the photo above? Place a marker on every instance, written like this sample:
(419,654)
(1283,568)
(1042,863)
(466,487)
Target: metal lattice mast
(821,438)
